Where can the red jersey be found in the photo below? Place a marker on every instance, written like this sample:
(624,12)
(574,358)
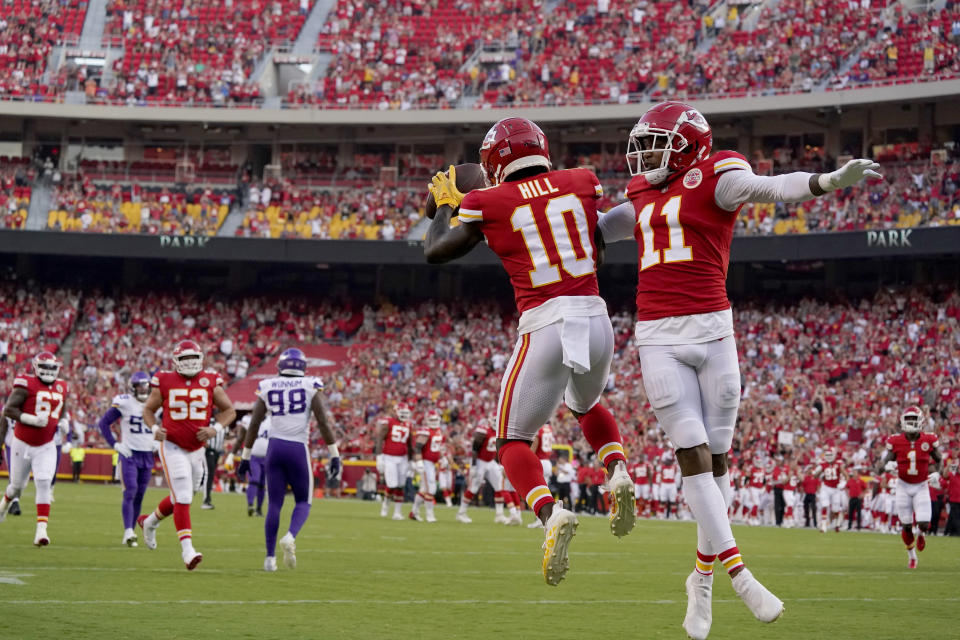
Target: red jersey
(187,404)
(830,473)
(542,230)
(684,240)
(434,446)
(397,438)
(488,450)
(758,478)
(42,400)
(668,475)
(913,458)
(545,450)
(640,473)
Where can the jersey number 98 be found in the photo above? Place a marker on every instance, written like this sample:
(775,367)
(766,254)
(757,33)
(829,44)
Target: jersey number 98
(293,401)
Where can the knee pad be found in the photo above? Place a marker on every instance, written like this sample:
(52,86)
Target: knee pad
(15,490)
(187,499)
(720,438)
(728,391)
(43,490)
(662,387)
(685,431)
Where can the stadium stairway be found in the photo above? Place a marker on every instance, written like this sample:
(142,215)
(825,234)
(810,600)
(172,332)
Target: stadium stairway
(41,200)
(91,38)
(307,40)
(232,222)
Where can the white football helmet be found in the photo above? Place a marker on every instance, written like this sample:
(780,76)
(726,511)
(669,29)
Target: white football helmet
(46,367)
(188,358)
(911,420)
(829,455)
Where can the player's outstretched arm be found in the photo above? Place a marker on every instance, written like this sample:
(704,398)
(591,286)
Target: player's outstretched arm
(736,187)
(617,224)
(111,416)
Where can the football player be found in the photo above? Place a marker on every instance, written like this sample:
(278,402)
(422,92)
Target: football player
(542,225)
(682,210)
(256,477)
(915,453)
(188,395)
(36,405)
(135,447)
(668,484)
(392,450)
(484,467)
(428,448)
(289,399)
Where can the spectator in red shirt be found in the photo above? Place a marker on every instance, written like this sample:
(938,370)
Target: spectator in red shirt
(855,488)
(952,483)
(810,485)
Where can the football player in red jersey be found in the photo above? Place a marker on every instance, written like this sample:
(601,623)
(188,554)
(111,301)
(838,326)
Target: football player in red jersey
(428,447)
(914,451)
(830,496)
(541,223)
(484,467)
(188,395)
(683,206)
(36,405)
(393,456)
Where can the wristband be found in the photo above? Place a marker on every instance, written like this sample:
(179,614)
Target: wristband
(816,188)
(246,454)
(154,428)
(334,451)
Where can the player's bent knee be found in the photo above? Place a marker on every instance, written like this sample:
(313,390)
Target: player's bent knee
(720,439)
(663,388)
(687,433)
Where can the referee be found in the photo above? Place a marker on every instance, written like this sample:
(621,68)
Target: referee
(212,450)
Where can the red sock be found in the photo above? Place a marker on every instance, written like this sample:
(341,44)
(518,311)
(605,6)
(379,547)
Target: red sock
(704,564)
(600,430)
(907,536)
(499,496)
(753,511)
(516,500)
(398,495)
(525,473)
(164,509)
(43,512)
(468,497)
(181,520)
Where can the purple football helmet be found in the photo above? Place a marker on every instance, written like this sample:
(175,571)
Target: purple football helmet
(140,385)
(292,363)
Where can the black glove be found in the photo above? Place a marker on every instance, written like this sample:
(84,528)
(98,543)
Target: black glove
(243,468)
(334,467)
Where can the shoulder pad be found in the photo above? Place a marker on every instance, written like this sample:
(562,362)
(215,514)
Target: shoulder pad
(637,185)
(726,160)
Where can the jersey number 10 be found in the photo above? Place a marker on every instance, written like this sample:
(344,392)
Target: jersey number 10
(571,237)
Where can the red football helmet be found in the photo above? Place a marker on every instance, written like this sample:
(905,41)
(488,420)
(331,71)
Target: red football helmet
(678,130)
(829,455)
(188,358)
(510,145)
(46,366)
(433,419)
(403,411)
(911,420)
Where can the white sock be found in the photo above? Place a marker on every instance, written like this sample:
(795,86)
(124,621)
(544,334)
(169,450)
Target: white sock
(152,520)
(186,544)
(498,507)
(397,507)
(706,503)
(912,553)
(723,482)
(514,512)
(417,501)
(429,509)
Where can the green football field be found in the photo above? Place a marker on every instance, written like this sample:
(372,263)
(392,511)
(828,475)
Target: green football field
(361,576)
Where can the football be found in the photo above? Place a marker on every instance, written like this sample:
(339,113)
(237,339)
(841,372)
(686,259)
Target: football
(469,177)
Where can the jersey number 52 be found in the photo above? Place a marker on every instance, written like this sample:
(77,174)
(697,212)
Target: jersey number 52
(189,404)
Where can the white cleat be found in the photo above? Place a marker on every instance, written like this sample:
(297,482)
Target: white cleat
(515,520)
(4,507)
(41,539)
(129,538)
(431,518)
(501,519)
(765,606)
(270,563)
(536,524)
(560,529)
(289,547)
(149,532)
(397,516)
(699,605)
(462,517)
(623,507)
(383,509)
(191,558)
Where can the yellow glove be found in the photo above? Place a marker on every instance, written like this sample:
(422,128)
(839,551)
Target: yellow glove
(444,188)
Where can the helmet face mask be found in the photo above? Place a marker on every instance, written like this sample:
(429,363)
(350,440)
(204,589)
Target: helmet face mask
(46,367)
(433,419)
(140,386)
(292,362)
(188,358)
(829,455)
(911,421)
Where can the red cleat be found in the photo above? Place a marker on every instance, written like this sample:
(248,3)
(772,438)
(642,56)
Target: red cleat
(921,542)
(912,564)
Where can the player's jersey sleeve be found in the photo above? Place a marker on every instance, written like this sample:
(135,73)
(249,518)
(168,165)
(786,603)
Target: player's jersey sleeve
(737,184)
(471,207)
(933,440)
(22,382)
(216,380)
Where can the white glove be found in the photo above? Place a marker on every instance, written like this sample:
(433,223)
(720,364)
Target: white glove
(849,174)
(934,479)
(380,463)
(418,466)
(228,462)
(33,421)
(123,449)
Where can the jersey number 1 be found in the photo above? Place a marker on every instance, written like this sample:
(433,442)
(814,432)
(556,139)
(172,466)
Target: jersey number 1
(571,237)
(677,251)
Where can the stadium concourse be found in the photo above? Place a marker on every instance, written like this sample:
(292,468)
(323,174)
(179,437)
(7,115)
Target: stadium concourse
(817,376)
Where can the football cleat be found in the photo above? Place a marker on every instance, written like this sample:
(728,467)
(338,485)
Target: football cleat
(462,517)
(15,507)
(129,538)
(699,605)
(560,529)
(41,539)
(764,606)
(515,520)
(501,519)
(921,542)
(270,563)
(250,510)
(414,516)
(912,563)
(207,505)
(536,524)
(191,558)
(623,507)
(431,518)
(289,547)
(383,509)
(149,533)
(397,516)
